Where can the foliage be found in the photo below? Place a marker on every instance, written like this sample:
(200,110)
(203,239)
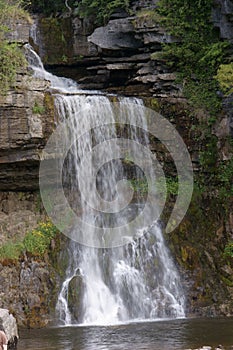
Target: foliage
(11,10)
(36,242)
(11,250)
(11,57)
(202,93)
(38,109)
(147,15)
(139,185)
(184,16)
(48,7)
(11,60)
(198,56)
(228,251)
(216,176)
(197,52)
(170,185)
(208,157)
(225,176)
(225,77)
(100,10)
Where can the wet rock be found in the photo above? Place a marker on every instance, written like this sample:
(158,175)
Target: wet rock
(75,292)
(9,324)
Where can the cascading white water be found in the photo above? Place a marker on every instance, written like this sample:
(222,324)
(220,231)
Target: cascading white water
(137,281)
(36,64)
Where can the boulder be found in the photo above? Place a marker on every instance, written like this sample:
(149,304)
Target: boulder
(117,34)
(10,326)
(75,295)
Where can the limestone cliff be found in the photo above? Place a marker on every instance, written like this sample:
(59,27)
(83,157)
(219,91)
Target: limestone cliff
(26,121)
(122,57)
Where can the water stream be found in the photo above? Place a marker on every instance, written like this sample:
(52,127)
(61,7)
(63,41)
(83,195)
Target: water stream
(132,282)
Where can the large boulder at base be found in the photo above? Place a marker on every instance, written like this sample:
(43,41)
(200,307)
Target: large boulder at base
(10,326)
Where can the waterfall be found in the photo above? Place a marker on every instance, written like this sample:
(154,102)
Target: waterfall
(121,283)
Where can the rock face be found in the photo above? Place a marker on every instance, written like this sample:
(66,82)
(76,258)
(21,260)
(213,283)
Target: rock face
(28,284)
(27,288)
(118,34)
(223,18)
(123,56)
(9,324)
(228,102)
(19,32)
(19,212)
(26,121)
(114,57)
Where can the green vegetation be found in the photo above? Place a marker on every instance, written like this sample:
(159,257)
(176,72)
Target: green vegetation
(11,57)
(11,250)
(140,186)
(225,78)
(198,53)
(12,10)
(170,185)
(225,176)
(147,14)
(11,60)
(100,10)
(228,251)
(36,242)
(209,156)
(201,62)
(216,175)
(38,109)
(48,7)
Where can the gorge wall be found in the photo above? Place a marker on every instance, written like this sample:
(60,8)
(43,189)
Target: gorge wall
(26,121)
(120,57)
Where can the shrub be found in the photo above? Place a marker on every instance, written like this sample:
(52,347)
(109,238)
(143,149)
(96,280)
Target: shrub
(101,10)
(11,57)
(49,7)
(11,250)
(225,78)
(38,109)
(36,242)
(228,251)
(11,60)
(198,51)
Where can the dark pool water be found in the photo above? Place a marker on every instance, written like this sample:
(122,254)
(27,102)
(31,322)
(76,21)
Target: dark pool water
(162,335)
